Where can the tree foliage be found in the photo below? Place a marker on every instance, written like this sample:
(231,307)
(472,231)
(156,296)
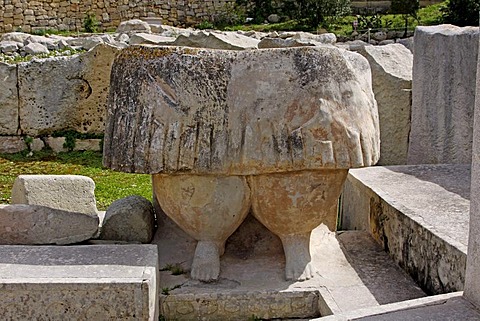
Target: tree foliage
(407,8)
(314,12)
(462,12)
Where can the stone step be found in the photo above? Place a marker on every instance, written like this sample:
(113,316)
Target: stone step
(420,215)
(94,282)
(451,306)
(353,272)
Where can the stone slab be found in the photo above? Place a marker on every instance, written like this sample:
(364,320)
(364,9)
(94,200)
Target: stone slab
(419,214)
(8,100)
(472,278)
(74,193)
(392,85)
(443,94)
(353,272)
(12,144)
(65,93)
(451,306)
(227,112)
(32,224)
(94,282)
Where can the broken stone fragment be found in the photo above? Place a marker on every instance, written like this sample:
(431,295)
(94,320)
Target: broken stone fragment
(198,111)
(22,224)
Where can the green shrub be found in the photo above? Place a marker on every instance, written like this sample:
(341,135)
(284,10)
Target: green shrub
(90,22)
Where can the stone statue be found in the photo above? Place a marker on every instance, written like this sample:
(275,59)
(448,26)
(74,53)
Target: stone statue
(224,131)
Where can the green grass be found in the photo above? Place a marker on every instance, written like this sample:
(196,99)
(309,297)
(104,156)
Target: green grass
(110,185)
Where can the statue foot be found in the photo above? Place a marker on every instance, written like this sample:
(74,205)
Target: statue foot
(298,265)
(206,261)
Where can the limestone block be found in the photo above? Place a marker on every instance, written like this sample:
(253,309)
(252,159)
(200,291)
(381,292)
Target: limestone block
(134,26)
(32,224)
(74,193)
(282,43)
(37,145)
(240,112)
(15,36)
(35,48)
(419,214)
(56,144)
(8,100)
(9,47)
(12,144)
(217,40)
(472,278)
(88,144)
(325,38)
(65,92)
(392,83)
(443,94)
(129,219)
(149,39)
(99,282)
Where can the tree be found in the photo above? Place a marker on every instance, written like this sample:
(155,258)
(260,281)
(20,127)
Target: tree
(462,12)
(316,11)
(407,8)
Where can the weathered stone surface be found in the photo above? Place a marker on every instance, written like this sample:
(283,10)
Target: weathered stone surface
(12,144)
(392,83)
(134,26)
(472,278)
(129,219)
(282,43)
(37,145)
(407,42)
(355,273)
(451,306)
(33,224)
(149,39)
(15,36)
(214,112)
(443,94)
(56,144)
(9,47)
(420,216)
(217,40)
(88,144)
(324,38)
(8,100)
(72,193)
(101,282)
(35,48)
(273,18)
(70,94)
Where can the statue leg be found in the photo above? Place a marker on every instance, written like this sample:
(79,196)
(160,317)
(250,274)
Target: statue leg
(209,208)
(291,205)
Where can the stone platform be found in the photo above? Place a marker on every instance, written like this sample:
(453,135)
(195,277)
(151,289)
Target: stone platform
(94,282)
(446,307)
(419,213)
(353,272)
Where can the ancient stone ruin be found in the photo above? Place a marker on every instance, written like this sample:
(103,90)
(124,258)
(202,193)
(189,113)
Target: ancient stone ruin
(223,131)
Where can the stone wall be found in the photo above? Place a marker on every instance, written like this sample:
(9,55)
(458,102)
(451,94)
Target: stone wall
(69,14)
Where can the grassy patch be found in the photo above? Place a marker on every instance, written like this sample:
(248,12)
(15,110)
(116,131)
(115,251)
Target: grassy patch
(110,185)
